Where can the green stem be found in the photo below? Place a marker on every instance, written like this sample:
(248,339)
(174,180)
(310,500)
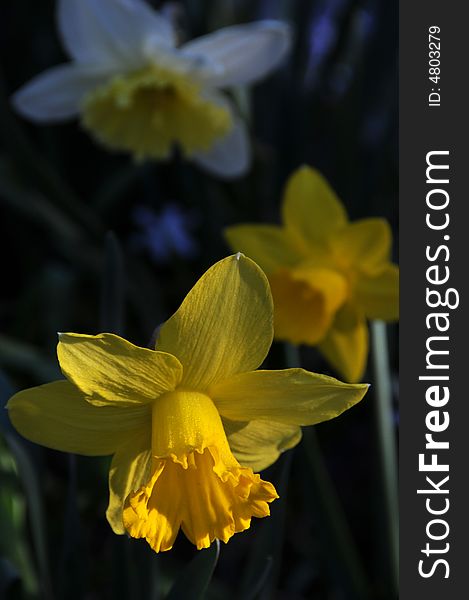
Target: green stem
(113,287)
(261,576)
(72,566)
(32,491)
(332,523)
(387,452)
(292,356)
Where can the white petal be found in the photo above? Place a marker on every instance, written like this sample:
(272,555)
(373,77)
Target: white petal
(110,31)
(243,53)
(56,94)
(173,59)
(231,156)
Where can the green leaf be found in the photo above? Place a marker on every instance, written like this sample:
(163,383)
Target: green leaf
(27,358)
(340,550)
(262,571)
(262,578)
(195,578)
(30,483)
(115,186)
(16,564)
(8,577)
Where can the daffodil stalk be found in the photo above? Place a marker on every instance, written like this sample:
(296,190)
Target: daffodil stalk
(262,571)
(387,451)
(338,536)
(112,292)
(333,521)
(111,319)
(193,582)
(71,542)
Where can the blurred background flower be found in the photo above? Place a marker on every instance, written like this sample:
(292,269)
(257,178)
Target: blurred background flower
(327,275)
(136,90)
(165,234)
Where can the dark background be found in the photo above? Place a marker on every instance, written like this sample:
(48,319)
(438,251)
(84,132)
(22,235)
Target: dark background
(332,105)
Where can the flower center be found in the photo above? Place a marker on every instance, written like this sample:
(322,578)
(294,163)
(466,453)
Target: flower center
(312,295)
(196,482)
(148,111)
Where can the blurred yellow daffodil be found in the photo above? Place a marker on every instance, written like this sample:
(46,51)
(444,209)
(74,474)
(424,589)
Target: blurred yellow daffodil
(189,422)
(135,90)
(327,275)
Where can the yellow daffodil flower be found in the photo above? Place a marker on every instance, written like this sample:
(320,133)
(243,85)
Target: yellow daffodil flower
(189,422)
(136,90)
(327,275)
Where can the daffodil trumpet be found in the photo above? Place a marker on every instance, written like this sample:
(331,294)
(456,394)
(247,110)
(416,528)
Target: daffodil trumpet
(137,90)
(328,276)
(189,423)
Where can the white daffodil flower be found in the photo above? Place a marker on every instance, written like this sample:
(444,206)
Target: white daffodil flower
(135,90)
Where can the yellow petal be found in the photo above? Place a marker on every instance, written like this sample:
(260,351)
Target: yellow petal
(110,370)
(305,303)
(207,500)
(347,349)
(221,505)
(268,245)
(224,326)
(153,512)
(258,444)
(291,396)
(364,245)
(196,483)
(57,415)
(311,210)
(379,296)
(130,469)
